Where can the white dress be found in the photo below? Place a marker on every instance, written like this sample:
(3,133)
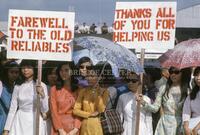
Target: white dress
(127,108)
(21,117)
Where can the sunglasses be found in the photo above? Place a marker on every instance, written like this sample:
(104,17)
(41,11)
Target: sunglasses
(132,80)
(174,72)
(87,67)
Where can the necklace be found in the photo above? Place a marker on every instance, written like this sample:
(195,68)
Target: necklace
(93,91)
(93,94)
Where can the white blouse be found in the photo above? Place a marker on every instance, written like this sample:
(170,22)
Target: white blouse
(24,99)
(191,108)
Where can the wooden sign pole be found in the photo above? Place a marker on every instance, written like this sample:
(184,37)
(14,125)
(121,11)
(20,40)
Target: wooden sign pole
(137,125)
(38,97)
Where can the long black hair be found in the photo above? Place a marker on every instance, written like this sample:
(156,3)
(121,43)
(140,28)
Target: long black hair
(9,65)
(73,80)
(185,79)
(3,59)
(31,63)
(195,89)
(83,60)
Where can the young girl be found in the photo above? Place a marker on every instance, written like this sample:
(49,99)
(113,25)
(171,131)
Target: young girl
(171,97)
(49,78)
(91,101)
(10,74)
(127,106)
(191,107)
(84,66)
(62,100)
(21,118)
(49,74)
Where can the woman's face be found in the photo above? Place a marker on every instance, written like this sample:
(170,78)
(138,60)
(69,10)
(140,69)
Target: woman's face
(133,82)
(13,74)
(197,79)
(175,76)
(52,77)
(65,72)
(84,68)
(92,78)
(27,72)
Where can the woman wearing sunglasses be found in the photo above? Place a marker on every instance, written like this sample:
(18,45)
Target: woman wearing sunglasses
(126,106)
(84,65)
(90,103)
(191,109)
(10,75)
(171,98)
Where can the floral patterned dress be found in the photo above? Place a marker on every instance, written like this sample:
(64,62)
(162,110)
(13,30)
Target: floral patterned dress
(170,122)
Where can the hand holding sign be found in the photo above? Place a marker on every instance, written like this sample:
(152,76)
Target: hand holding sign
(40,91)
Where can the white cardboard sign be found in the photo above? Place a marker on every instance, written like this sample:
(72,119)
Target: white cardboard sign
(148,25)
(40,35)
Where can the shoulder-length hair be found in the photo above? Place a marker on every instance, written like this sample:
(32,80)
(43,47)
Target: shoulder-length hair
(30,63)
(195,89)
(73,80)
(185,79)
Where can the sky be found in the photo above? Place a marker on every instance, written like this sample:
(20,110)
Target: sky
(89,11)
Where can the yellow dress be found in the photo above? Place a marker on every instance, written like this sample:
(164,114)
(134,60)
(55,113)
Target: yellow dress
(88,102)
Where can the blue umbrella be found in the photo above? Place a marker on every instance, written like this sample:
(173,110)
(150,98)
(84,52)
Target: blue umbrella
(103,50)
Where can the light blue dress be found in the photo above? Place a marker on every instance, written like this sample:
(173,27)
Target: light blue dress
(5,98)
(170,122)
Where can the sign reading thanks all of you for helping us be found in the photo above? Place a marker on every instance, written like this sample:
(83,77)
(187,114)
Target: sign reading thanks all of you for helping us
(148,25)
(40,35)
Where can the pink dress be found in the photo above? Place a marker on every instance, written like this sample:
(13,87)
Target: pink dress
(61,105)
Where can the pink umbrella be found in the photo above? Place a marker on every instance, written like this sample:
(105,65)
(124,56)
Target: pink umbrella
(185,54)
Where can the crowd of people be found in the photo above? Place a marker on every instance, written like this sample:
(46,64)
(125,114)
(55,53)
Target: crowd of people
(93,29)
(72,97)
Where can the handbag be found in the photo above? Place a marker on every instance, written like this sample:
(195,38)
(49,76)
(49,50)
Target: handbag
(111,121)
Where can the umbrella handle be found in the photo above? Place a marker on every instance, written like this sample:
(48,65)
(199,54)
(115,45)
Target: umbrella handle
(100,75)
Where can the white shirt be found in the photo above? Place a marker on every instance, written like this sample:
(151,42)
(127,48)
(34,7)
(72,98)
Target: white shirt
(84,29)
(127,108)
